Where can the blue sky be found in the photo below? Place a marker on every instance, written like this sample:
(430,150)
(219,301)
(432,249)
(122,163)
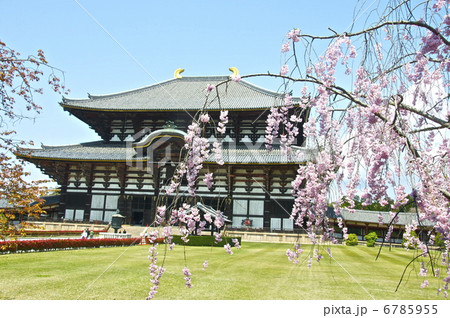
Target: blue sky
(203,37)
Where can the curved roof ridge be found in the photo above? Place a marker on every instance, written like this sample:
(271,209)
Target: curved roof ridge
(263,90)
(133,90)
(59,146)
(81,144)
(191,78)
(139,89)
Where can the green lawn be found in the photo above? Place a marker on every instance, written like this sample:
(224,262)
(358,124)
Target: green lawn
(257,271)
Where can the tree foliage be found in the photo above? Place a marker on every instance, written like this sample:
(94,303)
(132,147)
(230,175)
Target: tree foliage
(358,204)
(19,77)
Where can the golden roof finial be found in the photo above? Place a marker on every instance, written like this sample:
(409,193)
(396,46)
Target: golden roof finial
(177,73)
(234,70)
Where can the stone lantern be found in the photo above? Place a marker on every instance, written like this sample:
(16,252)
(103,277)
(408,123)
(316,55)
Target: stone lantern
(117,221)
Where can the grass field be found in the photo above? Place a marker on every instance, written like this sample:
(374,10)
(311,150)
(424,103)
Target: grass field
(257,271)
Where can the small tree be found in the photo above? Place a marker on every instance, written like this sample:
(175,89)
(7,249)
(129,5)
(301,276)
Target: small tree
(371,238)
(352,240)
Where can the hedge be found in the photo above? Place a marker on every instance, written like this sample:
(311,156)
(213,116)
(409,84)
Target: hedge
(56,233)
(204,240)
(194,240)
(55,244)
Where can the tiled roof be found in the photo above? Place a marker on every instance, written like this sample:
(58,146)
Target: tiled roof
(4,204)
(97,150)
(372,217)
(50,200)
(250,156)
(118,151)
(186,93)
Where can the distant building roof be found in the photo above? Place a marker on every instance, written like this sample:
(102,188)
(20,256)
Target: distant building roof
(4,204)
(118,151)
(365,216)
(49,200)
(186,93)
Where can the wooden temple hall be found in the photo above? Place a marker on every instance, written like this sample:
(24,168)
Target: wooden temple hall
(141,135)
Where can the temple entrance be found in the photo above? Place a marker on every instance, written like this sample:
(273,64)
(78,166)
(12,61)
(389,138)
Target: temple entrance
(141,207)
(137,218)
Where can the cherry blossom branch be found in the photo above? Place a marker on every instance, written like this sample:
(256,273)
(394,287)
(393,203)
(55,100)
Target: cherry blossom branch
(441,122)
(346,94)
(404,271)
(379,26)
(384,237)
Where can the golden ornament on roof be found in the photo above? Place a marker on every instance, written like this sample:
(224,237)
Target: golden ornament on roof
(234,70)
(177,73)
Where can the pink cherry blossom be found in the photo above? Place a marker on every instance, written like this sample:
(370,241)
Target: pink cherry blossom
(209,180)
(284,70)
(235,78)
(187,277)
(210,87)
(227,248)
(294,35)
(223,121)
(236,243)
(204,118)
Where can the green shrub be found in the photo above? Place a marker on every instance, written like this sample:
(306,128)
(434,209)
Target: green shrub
(204,240)
(371,238)
(352,240)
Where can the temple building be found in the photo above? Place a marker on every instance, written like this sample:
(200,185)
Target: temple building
(141,137)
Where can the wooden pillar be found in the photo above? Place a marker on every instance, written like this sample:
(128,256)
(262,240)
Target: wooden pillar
(151,216)
(249,180)
(61,174)
(230,188)
(123,134)
(122,203)
(62,202)
(148,216)
(88,175)
(156,185)
(237,128)
(137,124)
(267,200)
(103,126)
